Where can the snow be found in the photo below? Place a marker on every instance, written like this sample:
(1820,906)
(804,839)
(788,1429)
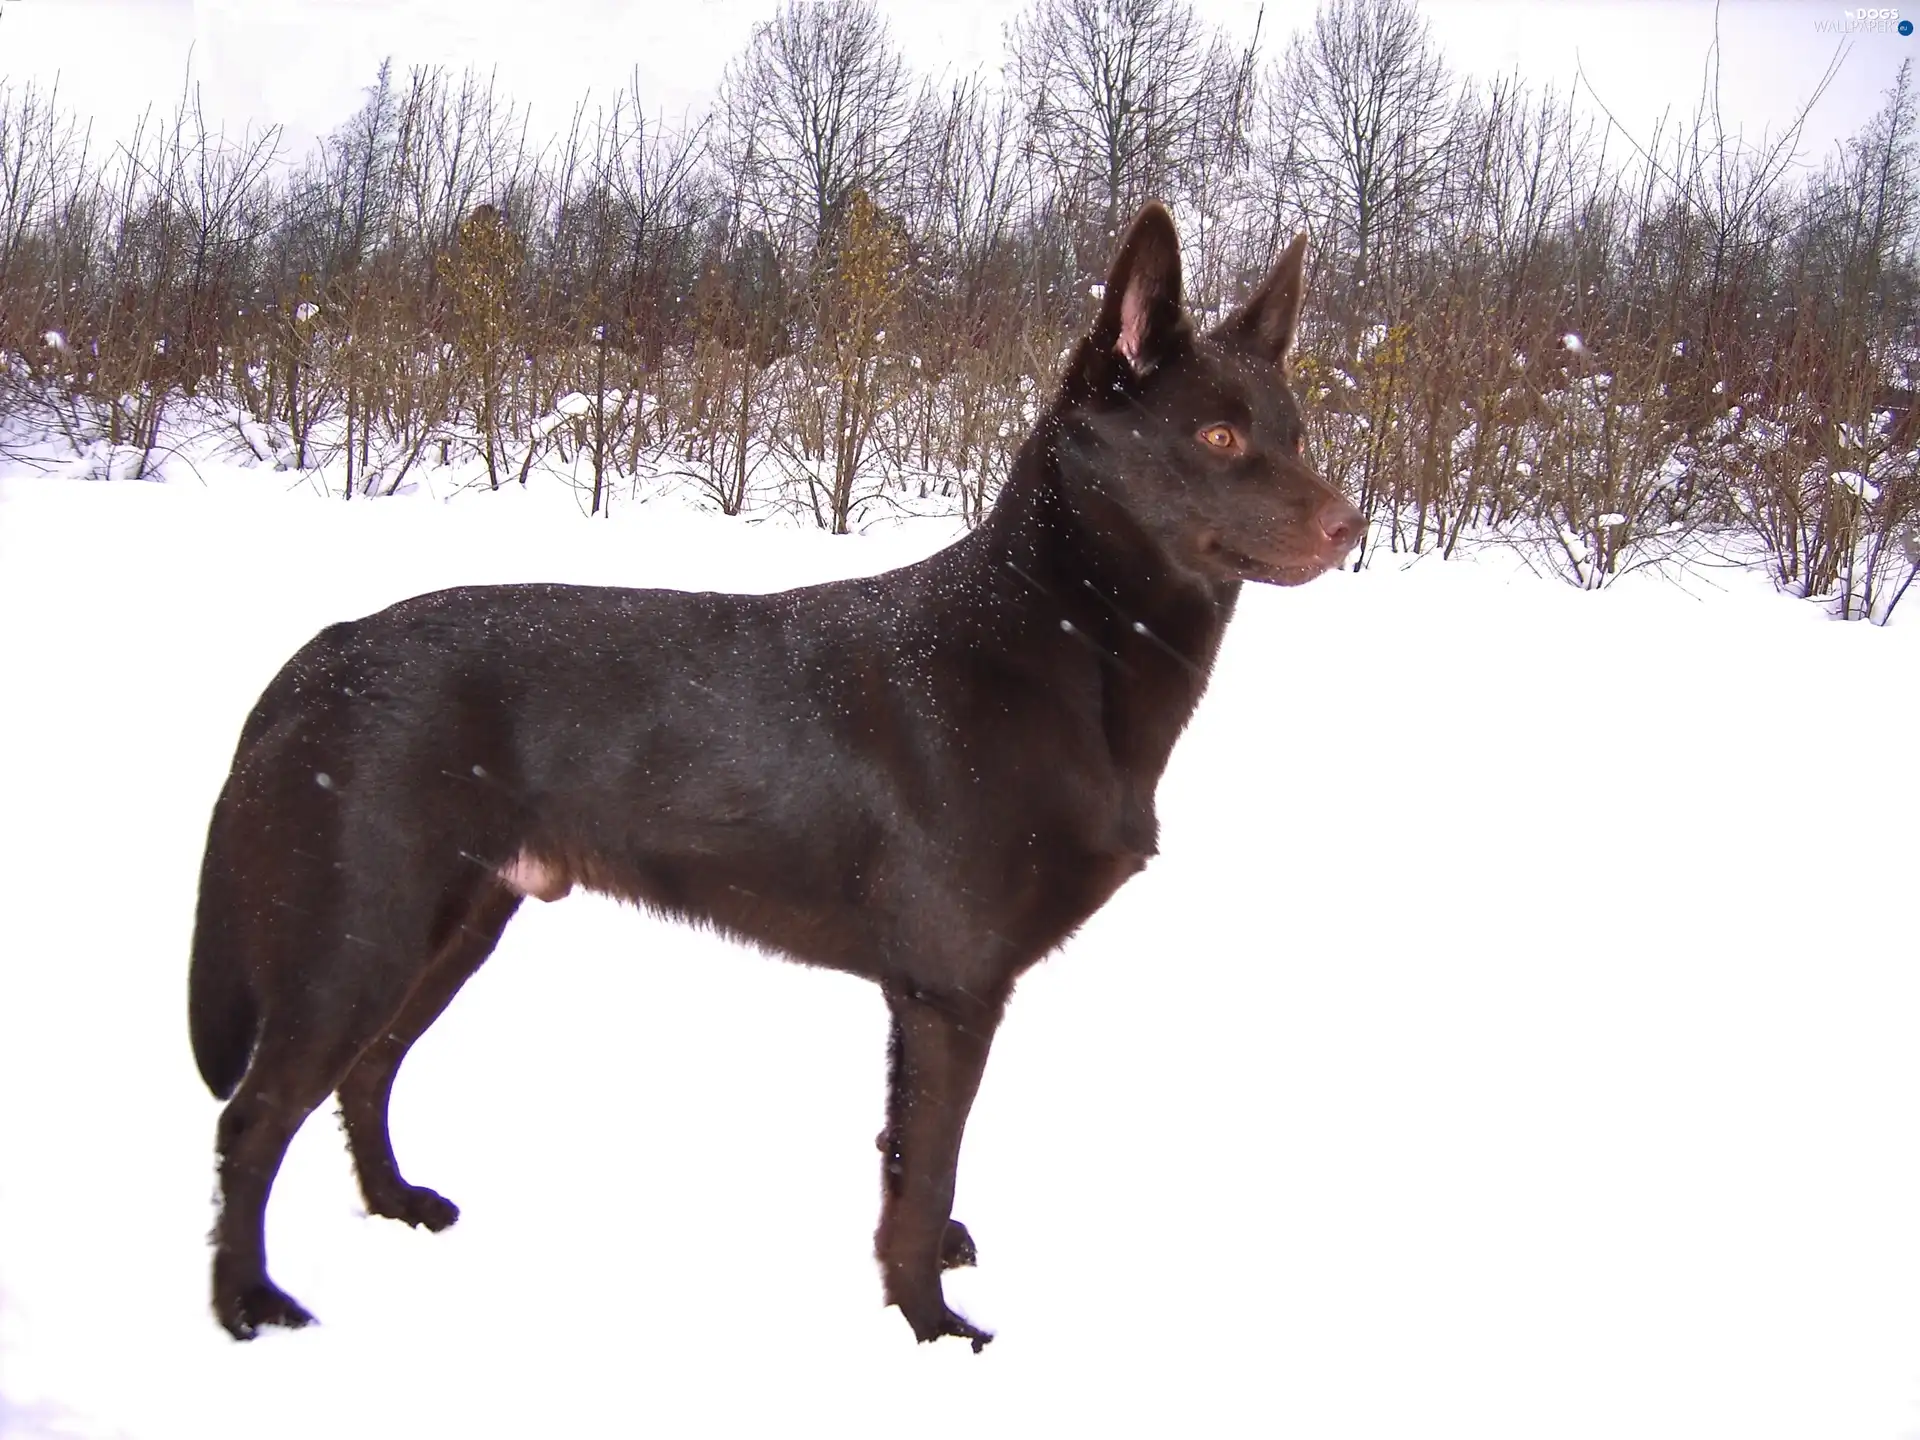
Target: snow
(258,438)
(573,406)
(1859,484)
(1547,1069)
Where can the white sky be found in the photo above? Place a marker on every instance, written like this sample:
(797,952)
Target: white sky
(302,64)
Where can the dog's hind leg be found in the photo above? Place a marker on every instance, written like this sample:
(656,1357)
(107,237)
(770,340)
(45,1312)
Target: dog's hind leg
(365,1093)
(297,1062)
(939,1049)
(329,990)
(254,1132)
(957,1249)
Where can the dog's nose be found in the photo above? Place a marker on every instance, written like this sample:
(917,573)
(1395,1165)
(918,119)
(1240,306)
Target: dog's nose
(1341,524)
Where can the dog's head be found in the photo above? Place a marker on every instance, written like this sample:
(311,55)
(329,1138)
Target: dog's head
(1198,437)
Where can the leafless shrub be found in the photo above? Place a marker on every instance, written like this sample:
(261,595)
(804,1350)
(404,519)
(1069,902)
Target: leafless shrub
(845,291)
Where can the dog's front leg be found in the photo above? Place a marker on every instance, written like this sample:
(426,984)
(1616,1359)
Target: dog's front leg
(939,1048)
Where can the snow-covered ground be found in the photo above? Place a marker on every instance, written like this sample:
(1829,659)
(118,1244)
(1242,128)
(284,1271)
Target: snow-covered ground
(1519,1036)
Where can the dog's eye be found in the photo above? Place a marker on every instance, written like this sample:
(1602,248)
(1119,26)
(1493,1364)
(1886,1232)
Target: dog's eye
(1220,437)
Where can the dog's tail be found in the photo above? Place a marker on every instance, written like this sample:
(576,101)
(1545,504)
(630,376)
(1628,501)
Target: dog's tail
(222,1011)
(223,1008)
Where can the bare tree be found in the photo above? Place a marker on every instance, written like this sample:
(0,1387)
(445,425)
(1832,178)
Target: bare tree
(1364,97)
(1118,95)
(1835,489)
(815,109)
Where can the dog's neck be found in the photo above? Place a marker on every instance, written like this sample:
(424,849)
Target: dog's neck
(1068,532)
(1058,545)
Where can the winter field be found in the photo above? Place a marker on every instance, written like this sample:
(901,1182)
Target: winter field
(1515,1037)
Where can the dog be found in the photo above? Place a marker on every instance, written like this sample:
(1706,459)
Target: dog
(930,777)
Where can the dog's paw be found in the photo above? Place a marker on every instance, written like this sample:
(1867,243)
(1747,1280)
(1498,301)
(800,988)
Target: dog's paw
(958,1325)
(956,1247)
(416,1205)
(933,1320)
(246,1309)
(979,1338)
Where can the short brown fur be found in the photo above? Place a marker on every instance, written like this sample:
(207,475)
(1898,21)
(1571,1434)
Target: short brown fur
(929,777)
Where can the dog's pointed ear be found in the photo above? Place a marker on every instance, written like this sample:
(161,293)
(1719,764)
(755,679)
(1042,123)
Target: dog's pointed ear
(1142,318)
(1264,326)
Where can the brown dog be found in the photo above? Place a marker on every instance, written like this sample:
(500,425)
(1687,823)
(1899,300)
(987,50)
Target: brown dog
(928,778)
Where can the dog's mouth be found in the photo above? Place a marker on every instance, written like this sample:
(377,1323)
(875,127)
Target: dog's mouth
(1291,570)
